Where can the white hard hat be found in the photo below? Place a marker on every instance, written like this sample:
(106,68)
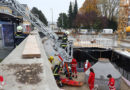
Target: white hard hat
(67,32)
(69,67)
(86,60)
(19,28)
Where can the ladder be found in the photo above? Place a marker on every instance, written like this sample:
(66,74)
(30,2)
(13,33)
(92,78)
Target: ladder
(15,5)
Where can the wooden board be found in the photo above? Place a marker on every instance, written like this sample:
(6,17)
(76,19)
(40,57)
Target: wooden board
(31,48)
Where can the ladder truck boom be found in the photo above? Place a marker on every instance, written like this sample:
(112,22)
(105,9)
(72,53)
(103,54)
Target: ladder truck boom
(14,4)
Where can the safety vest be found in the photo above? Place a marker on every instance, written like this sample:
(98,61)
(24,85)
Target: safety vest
(63,45)
(56,70)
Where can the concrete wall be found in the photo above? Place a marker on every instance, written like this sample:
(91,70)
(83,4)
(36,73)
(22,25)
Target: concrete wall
(15,58)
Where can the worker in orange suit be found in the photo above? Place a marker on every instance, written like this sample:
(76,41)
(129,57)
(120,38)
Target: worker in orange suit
(111,82)
(87,65)
(74,67)
(91,79)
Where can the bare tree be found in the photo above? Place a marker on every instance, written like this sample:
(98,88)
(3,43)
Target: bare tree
(109,8)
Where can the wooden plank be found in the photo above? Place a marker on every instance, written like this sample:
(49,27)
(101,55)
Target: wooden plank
(31,48)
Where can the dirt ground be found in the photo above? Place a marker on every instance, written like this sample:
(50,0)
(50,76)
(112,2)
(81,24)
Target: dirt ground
(85,86)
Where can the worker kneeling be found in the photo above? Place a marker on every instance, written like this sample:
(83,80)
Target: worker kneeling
(111,83)
(57,76)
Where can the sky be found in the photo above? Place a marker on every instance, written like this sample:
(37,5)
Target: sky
(49,6)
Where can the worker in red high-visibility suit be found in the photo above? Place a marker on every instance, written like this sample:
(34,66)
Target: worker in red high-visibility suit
(1,81)
(111,82)
(74,67)
(91,79)
(87,65)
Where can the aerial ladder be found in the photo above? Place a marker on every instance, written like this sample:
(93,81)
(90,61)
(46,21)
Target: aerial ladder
(66,55)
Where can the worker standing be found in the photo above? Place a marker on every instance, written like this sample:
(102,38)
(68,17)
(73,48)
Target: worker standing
(19,35)
(56,74)
(64,40)
(87,65)
(91,79)
(74,67)
(111,82)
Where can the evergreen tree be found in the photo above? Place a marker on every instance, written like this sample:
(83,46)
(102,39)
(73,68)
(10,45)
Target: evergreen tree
(70,16)
(62,20)
(75,9)
(40,15)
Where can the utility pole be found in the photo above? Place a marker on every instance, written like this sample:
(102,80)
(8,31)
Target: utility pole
(52,17)
(62,20)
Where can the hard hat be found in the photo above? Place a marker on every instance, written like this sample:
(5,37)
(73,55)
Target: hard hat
(51,58)
(69,67)
(67,32)
(19,28)
(86,60)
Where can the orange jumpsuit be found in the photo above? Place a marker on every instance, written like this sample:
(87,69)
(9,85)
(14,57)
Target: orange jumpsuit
(111,84)
(91,80)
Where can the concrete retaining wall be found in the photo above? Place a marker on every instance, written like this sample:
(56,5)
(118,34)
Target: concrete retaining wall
(15,58)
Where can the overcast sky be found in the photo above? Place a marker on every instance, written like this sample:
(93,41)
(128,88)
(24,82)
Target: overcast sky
(46,6)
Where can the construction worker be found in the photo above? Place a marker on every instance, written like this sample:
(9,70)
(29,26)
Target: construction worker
(111,82)
(91,79)
(74,67)
(19,35)
(68,74)
(56,71)
(1,81)
(87,65)
(64,40)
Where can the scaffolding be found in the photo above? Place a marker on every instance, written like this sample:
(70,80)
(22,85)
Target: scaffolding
(123,18)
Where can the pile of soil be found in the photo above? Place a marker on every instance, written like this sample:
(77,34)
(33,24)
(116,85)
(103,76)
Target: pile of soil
(27,74)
